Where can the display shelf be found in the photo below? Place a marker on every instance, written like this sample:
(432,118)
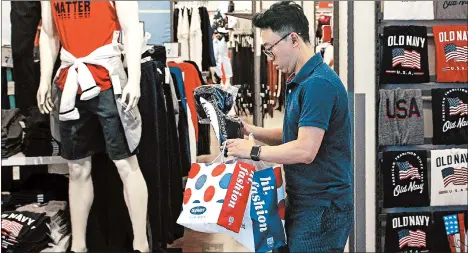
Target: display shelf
(424,86)
(426,146)
(424,209)
(21,160)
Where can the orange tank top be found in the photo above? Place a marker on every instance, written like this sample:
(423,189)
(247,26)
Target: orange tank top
(84,26)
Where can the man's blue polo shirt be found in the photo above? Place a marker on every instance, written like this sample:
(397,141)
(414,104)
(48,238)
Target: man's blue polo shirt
(316,97)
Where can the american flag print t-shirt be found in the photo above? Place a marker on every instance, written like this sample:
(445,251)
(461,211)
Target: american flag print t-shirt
(405,179)
(450,232)
(450,116)
(451,44)
(405,56)
(408,232)
(449,177)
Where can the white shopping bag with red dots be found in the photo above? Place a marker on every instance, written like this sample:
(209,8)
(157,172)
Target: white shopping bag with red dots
(262,229)
(216,196)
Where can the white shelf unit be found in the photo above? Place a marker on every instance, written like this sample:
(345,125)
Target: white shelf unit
(21,160)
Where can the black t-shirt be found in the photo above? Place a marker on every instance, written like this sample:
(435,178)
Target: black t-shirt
(405,57)
(450,232)
(450,116)
(405,179)
(408,232)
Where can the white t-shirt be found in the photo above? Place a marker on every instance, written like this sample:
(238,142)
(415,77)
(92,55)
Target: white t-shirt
(6,24)
(408,10)
(448,177)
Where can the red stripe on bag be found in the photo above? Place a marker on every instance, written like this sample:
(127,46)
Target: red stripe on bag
(237,196)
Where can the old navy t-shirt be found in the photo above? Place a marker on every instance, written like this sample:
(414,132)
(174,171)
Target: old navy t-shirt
(451,45)
(451,10)
(450,116)
(408,10)
(449,231)
(401,117)
(405,57)
(405,179)
(449,174)
(408,232)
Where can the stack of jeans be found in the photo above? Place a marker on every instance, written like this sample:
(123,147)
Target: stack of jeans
(12,132)
(38,138)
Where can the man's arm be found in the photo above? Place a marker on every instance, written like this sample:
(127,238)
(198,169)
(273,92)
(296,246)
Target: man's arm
(270,136)
(127,12)
(302,150)
(49,45)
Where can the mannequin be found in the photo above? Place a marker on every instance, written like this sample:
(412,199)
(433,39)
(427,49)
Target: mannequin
(75,25)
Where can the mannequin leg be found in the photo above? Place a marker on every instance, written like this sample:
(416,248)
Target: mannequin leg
(81,196)
(136,198)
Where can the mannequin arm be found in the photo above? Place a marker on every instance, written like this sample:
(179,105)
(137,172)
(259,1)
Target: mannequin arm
(127,12)
(49,44)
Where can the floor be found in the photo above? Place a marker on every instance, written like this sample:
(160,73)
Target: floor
(201,242)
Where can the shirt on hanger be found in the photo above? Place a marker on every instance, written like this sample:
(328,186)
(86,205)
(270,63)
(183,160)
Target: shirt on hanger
(449,231)
(451,44)
(401,119)
(408,10)
(405,179)
(405,56)
(451,9)
(449,177)
(408,232)
(450,116)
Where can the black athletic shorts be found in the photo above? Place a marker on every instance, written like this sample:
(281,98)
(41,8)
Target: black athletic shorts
(99,129)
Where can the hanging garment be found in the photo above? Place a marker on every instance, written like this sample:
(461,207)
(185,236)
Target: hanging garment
(401,119)
(449,177)
(196,43)
(175,24)
(25,17)
(204,131)
(405,55)
(450,116)
(405,178)
(207,36)
(184,34)
(451,45)
(406,232)
(190,83)
(156,140)
(408,10)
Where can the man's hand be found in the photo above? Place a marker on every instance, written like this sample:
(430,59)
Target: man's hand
(131,95)
(247,128)
(240,148)
(44,99)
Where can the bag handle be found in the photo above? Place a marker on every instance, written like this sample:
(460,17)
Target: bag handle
(221,154)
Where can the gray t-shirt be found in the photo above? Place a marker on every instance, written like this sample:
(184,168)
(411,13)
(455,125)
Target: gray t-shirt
(401,117)
(451,9)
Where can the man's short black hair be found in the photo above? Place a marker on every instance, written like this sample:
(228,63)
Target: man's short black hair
(282,18)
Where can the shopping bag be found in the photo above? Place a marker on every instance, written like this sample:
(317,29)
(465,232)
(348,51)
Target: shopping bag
(216,196)
(263,225)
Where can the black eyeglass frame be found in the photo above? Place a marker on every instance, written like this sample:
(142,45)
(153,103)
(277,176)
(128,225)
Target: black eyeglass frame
(268,52)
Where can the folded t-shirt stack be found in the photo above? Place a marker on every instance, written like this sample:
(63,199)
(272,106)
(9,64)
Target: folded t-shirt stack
(25,231)
(38,138)
(12,132)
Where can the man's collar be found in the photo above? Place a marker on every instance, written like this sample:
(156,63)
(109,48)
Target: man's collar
(306,70)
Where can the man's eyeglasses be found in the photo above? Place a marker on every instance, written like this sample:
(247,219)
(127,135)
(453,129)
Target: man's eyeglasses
(268,52)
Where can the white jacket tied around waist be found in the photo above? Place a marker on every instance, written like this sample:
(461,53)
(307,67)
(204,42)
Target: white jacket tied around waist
(107,56)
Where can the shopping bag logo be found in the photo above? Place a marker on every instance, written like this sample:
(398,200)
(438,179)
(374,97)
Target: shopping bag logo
(198,210)
(237,196)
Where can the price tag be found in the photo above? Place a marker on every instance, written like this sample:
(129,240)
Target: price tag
(172,50)
(7,57)
(16,173)
(11,88)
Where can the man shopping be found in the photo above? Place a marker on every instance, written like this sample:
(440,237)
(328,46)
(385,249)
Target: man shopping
(315,142)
